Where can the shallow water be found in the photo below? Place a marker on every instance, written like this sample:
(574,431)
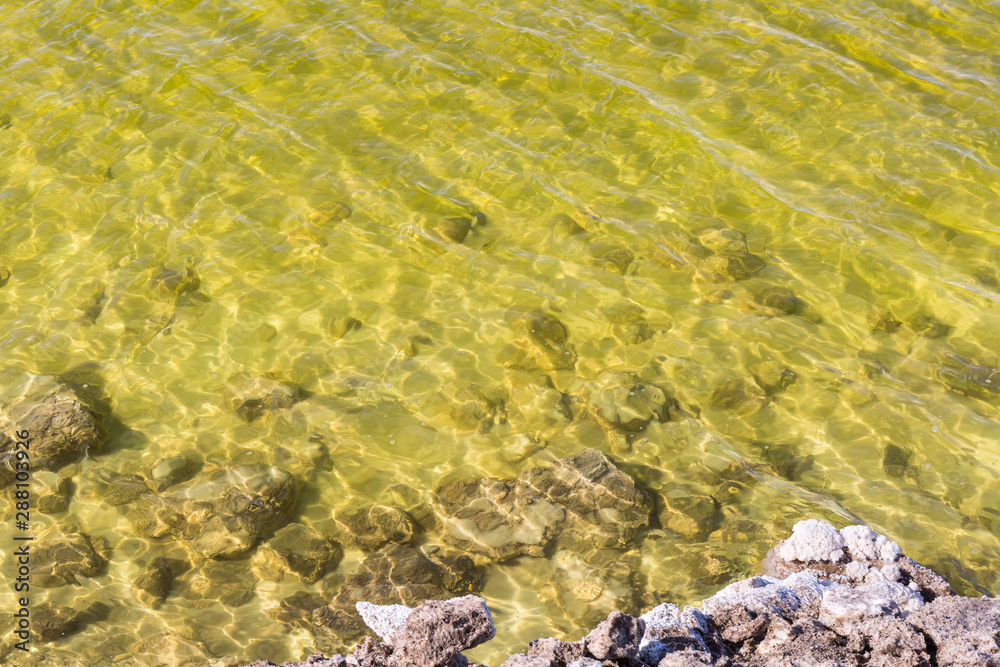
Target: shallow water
(604,152)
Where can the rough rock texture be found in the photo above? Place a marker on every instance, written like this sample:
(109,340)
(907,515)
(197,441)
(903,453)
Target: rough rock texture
(394,575)
(437,631)
(253,396)
(224,513)
(373,526)
(299,551)
(616,637)
(58,557)
(62,428)
(583,498)
(847,597)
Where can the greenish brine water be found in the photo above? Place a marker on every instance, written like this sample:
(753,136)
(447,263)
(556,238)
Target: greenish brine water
(477,237)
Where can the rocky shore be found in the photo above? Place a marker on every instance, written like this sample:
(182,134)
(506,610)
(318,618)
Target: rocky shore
(826,597)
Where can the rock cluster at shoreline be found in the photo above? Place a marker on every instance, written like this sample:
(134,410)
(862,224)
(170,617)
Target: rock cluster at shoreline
(835,598)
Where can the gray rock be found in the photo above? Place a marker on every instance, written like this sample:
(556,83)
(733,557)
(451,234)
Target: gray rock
(436,631)
(616,637)
(965,631)
(558,651)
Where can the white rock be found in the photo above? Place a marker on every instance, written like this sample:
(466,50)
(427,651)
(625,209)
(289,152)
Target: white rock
(813,541)
(865,546)
(387,621)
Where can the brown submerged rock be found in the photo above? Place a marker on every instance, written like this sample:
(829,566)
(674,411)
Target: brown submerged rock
(394,575)
(62,428)
(252,396)
(298,551)
(154,584)
(224,513)
(58,558)
(373,526)
(540,342)
(584,499)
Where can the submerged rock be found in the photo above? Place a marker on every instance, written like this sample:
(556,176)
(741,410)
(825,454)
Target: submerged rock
(394,575)
(154,584)
(373,526)
(172,284)
(981,382)
(223,513)
(628,323)
(330,212)
(624,403)
(253,396)
(540,342)
(583,498)
(52,491)
(299,551)
(58,558)
(62,428)
(587,589)
(50,622)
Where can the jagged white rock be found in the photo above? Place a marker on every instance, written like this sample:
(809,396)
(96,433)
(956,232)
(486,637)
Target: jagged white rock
(813,541)
(863,544)
(387,621)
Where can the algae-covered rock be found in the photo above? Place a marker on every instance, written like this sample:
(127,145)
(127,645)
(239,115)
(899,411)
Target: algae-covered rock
(299,551)
(296,610)
(373,526)
(584,499)
(612,258)
(495,517)
(394,575)
(928,326)
(4,275)
(252,396)
(58,557)
(540,342)
(776,300)
(231,584)
(92,306)
(224,513)
(62,428)
(623,402)
(536,406)
(469,406)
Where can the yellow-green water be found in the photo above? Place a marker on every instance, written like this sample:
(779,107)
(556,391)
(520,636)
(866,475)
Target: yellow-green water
(855,144)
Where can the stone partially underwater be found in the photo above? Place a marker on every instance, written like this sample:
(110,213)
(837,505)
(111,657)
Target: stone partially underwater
(828,597)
